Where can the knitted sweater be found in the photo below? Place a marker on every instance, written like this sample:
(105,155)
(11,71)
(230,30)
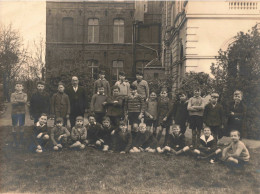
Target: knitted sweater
(134,103)
(56,132)
(238,150)
(96,104)
(18,101)
(195,106)
(78,133)
(151,108)
(142,88)
(98,83)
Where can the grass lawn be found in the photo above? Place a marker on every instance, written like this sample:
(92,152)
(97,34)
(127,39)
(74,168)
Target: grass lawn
(91,171)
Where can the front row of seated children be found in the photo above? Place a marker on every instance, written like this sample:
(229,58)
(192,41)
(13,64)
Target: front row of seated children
(108,138)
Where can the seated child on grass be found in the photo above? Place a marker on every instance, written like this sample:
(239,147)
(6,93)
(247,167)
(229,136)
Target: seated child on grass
(176,141)
(59,135)
(208,146)
(105,134)
(236,152)
(93,129)
(40,133)
(79,134)
(122,139)
(144,140)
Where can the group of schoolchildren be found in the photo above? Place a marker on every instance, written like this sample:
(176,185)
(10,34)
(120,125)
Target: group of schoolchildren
(133,120)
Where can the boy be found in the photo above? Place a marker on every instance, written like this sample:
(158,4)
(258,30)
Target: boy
(97,104)
(176,141)
(114,106)
(93,130)
(213,116)
(144,141)
(124,87)
(151,113)
(40,133)
(122,139)
(59,135)
(196,108)
(40,102)
(79,134)
(102,82)
(208,147)
(236,152)
(60,104)
(237,114)
(142,86)
(179,111)
(134,108)
(18,101)
(105,135)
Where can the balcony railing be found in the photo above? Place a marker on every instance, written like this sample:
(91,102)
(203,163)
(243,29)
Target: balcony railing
(242,5)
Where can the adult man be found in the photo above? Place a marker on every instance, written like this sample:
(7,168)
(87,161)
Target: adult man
(78,100)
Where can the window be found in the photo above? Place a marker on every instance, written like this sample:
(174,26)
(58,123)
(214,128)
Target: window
(117,67)
(67,29)
(93,31)
(140,65)
(93,65)
(145,6)
(119,31)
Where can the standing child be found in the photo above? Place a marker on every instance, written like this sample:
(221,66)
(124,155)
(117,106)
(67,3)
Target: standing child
(40,102)
(175,142)
(208,147)
(124,86)
(18,101)
(237,114)
(179,112)
(102,82)
(122,139)
(142,86)
(93,130)
(150,113)
(60,104)
(213,116)
(59,135)
(105,135)
(144,140)
(40,133)
(196,108)
(236,152)
(114,106)
(134,108)
(164,123)
(97,104)
(79,134)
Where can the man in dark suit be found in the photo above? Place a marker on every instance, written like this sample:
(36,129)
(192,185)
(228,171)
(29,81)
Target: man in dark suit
(78,100)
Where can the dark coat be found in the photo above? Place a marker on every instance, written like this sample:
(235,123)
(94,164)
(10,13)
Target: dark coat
(114,109)
(39,103)
(176,142)
(105,134)
(213,116)
(145,140)
(207,146)
(122,141)
(93,130)
(60,104)
(78,100)
(164,106)
(37,129)
(179,112)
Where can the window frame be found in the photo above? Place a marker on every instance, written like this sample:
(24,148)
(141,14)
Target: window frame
(116,31)
(93,30)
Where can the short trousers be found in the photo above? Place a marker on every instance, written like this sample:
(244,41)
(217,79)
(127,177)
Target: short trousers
(133,117)
(18,118)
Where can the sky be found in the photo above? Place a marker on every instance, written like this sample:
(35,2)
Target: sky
(26,16)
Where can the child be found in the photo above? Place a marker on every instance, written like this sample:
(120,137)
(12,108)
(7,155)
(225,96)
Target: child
(237,114)
(179,112)
(236,152)
(18,101)
(124,87)
(144,140)
(102,82)
(122,139)
(208,147)
(175,142)
(114,106)
(164,123)
(134,108)
(213,116)
(105,135)
(60,104)
(79,134)
(196,108)
(93,129)
(97,104)
(150,114)
(142,86)
(40,102)
(40,133)
(59,135)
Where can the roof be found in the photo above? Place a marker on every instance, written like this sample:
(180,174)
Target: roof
(154,64)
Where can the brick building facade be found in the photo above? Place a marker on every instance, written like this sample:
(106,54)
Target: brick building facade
(98,35)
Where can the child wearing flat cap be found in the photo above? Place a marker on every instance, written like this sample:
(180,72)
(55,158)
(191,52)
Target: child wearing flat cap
(79,134)
(59,135)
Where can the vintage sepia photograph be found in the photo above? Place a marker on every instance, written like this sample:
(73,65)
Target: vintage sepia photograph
(130,96)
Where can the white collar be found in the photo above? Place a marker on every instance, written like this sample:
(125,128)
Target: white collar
(204,138)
